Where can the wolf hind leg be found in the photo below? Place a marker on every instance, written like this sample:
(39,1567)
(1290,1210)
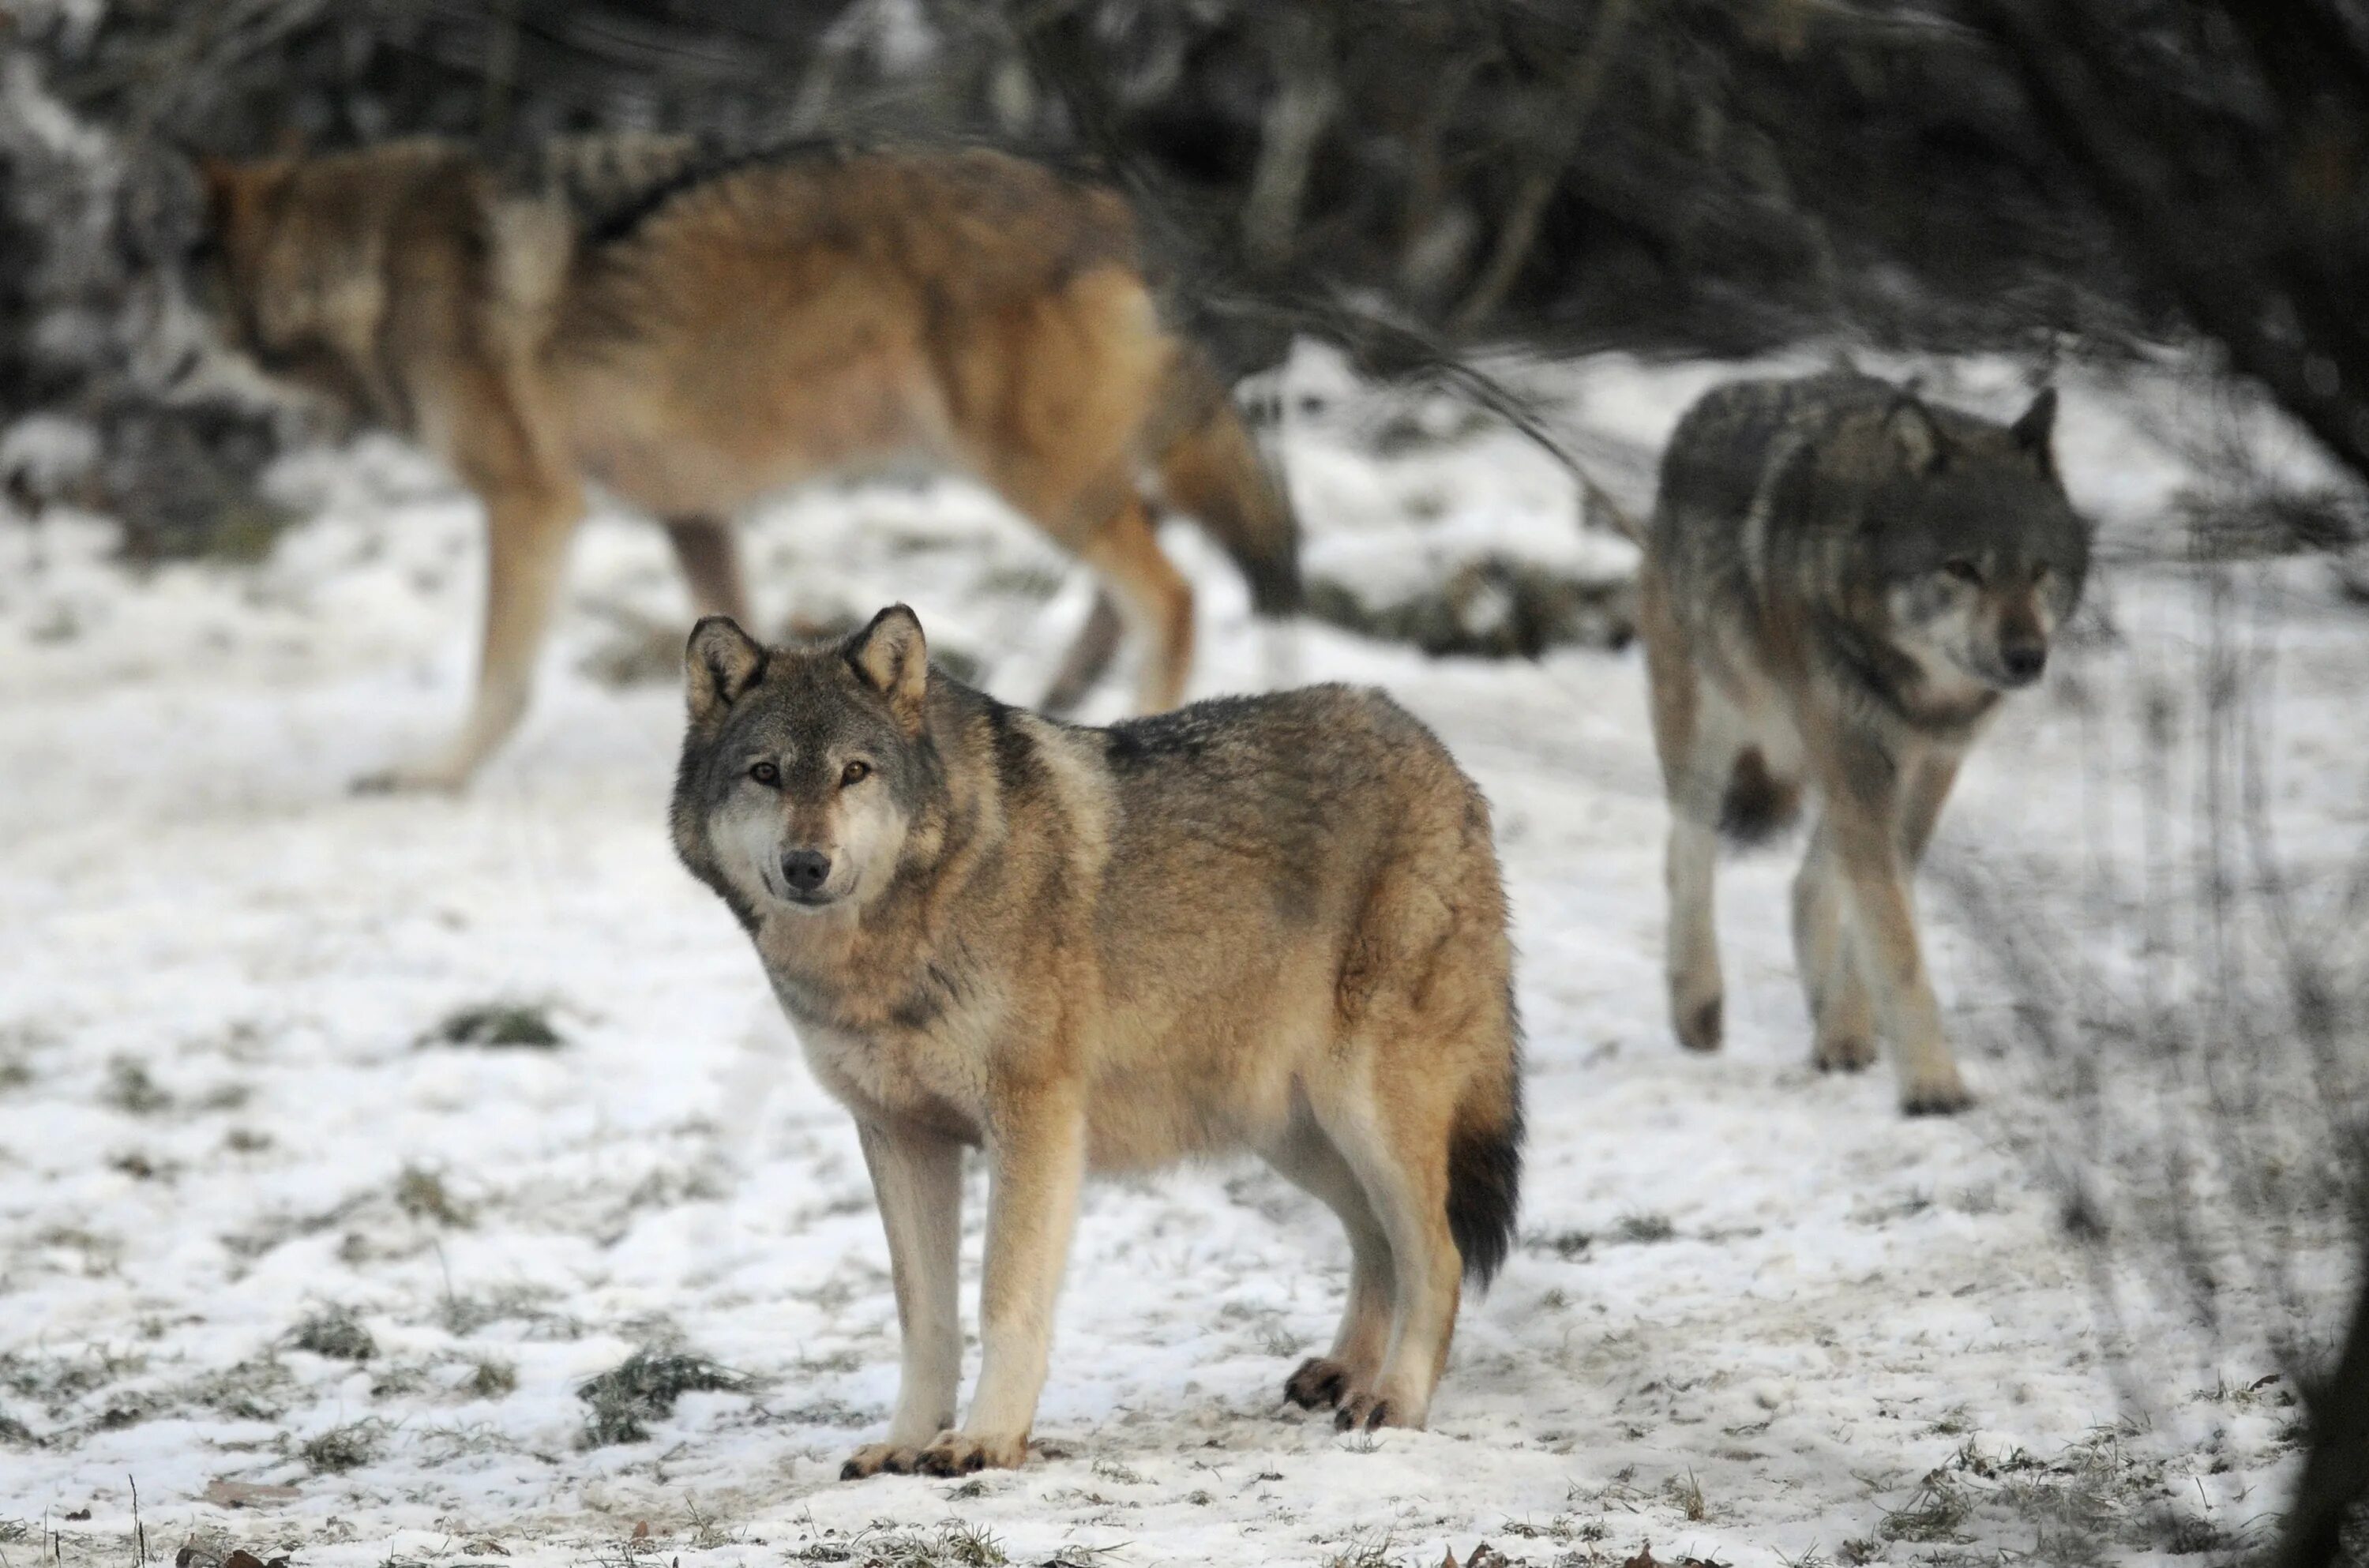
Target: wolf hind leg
(1307,1159)
(1089,657)
(1152,597)
(1398,1153)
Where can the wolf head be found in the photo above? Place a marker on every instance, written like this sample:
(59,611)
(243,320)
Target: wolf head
(1978,553)
(289,267)
(271,288)
(808,777)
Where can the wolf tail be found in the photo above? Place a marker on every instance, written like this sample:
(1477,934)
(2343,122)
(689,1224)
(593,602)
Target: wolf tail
(1757,804)
(1484,1172)
(1211,467)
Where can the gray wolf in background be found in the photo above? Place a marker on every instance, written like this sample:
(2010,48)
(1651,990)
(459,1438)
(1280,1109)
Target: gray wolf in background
(692,333)
(1271,923)
(1840,582)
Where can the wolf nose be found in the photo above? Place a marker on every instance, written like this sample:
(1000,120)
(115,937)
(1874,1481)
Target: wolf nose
(2025,661)
(806,869)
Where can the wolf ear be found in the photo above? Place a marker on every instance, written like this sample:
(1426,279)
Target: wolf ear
(1913,430)
(720,665)
(2034,431)
(894,661)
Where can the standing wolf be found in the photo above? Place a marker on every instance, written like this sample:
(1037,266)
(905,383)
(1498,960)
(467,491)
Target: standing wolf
(692,333)
(1840,581)
(1271,923)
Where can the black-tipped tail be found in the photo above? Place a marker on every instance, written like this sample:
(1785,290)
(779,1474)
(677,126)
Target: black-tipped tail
(1215,471)
(1484,1185)
(1757,805)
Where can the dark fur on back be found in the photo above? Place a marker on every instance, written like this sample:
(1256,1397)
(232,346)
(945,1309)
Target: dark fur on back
(611,185)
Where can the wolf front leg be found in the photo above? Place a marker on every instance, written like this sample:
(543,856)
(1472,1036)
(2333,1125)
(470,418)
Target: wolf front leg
(1037,1162)
(1864,810)
(917,1179)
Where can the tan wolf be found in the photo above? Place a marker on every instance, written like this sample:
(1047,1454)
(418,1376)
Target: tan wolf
(1840,582)
(690,332)
(1271,923)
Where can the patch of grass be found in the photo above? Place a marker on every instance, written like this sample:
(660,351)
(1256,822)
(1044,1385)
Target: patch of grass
(401,1379)
(249,1390)
(1363,1551)
(949,1546)
(1687,1494)
(1939,1506)
(705,1533)
(59,1382)
(1075,1556)
(337,1333)
(829,1411)
(2186,1535)
(1568,1245)
(492,1377)
(499,1025)
(141,1167)
(131,1090)
(465,1315)
(644,1387)
(1858,1550)
(342,1449)
(423,1196)
(443,1445)
(1646,1228)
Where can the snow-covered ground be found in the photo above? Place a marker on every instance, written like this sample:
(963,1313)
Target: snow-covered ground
(1757,1318)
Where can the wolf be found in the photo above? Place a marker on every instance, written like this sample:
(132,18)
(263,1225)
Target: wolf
(690,330)
(1841,582)
(1271,923)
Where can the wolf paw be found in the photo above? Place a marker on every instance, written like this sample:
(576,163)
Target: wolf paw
(1846,1053)
(896,1459)
(1370,1413)
(1320,1380)
(1936,1097)
(958,1453)
(1702,1026)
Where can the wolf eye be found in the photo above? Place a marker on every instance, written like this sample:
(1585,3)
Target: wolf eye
(854,773)
(765,773)
(1963,570)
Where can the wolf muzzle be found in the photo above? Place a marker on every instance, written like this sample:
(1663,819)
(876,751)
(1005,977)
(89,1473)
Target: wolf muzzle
(803,872)
(2022,662)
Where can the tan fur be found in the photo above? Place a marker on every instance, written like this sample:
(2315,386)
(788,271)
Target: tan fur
(1271,925)
(739,332)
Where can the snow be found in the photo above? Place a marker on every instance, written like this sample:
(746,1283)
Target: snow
(1753,1307)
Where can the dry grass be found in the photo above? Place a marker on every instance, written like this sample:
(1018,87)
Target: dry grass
(644,1387)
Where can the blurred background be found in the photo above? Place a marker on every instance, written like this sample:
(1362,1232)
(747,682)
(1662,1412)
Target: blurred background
(1465,259)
